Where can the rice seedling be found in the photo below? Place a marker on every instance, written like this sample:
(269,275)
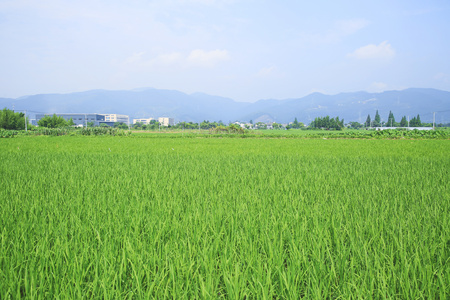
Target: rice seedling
(160,217)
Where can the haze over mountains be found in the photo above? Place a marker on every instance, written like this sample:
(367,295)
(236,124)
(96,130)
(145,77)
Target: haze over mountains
(150,102)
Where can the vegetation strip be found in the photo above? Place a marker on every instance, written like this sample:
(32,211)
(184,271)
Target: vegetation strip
(120,217)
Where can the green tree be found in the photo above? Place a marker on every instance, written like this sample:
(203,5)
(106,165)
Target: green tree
(296,124)
(418,122)
(71,122)
(368,120)
(277,126)
(327,123)
(138,125)
(356,125)
(52,122)
(415,122)
(11,120)
(377,120)
(391,120)
(403,122)
(261,125)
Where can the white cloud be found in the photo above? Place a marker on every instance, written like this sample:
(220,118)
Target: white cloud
(381,51)
(168,58)
(442,77)
(134,58)
(377,87)
(196,58)
(202,58)
(265,72)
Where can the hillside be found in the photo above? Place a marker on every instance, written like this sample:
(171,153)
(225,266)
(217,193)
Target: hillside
(196,107)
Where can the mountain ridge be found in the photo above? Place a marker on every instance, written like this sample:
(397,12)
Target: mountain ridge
(151,102)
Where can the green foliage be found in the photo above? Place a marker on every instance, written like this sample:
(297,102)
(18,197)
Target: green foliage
(53,122)
(260,125)
(186,125)
(8,133)
(377,120)
(415,122)
(391,120)
(296,125)
(138,125)
(356,125)
(121,125)
(161,217)
(368,122)
(403,122)
(277,126)
(10,120)
(327,123)
(232,128)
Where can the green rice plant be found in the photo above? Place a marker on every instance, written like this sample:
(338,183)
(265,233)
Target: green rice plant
(159,217)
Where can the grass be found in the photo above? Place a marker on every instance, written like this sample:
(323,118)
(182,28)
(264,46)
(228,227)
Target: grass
(158,217)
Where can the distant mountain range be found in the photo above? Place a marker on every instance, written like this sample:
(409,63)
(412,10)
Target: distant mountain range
(150,102)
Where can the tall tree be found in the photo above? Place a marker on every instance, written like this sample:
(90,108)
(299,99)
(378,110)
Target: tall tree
(391,120)
(418,122)
(403,122)
(415,122)
(377,120)
(367,124)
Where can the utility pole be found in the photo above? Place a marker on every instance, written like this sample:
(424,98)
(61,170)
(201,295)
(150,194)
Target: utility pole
(85,120)
(26,121)
(434,118)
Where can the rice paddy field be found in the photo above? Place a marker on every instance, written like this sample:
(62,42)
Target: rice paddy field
(223,218)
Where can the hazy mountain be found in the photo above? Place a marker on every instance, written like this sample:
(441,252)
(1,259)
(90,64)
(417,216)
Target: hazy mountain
(149,102)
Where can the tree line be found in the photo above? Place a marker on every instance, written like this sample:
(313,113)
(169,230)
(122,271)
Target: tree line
(376,122)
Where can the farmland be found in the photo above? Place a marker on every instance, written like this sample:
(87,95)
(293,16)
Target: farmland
(161,217)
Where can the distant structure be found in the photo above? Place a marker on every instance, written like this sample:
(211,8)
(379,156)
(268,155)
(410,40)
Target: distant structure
(166,121)
(81,119)
(163,121)
(407,128)
(114,118)
(143,121)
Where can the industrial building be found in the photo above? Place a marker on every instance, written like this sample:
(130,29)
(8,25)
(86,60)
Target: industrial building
(143,121)
(82,119)
(163,121)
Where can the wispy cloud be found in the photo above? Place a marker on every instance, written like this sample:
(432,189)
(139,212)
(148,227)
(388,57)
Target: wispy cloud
(377,87)
(338,31)
(202,58)
(382,51)
(196,58)
(443,77)
(266,72)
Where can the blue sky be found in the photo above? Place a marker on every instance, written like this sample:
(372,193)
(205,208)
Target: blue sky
(243,49)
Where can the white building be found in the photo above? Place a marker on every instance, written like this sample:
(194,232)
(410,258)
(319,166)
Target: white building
(166,121)
(143,121)
(116,118)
